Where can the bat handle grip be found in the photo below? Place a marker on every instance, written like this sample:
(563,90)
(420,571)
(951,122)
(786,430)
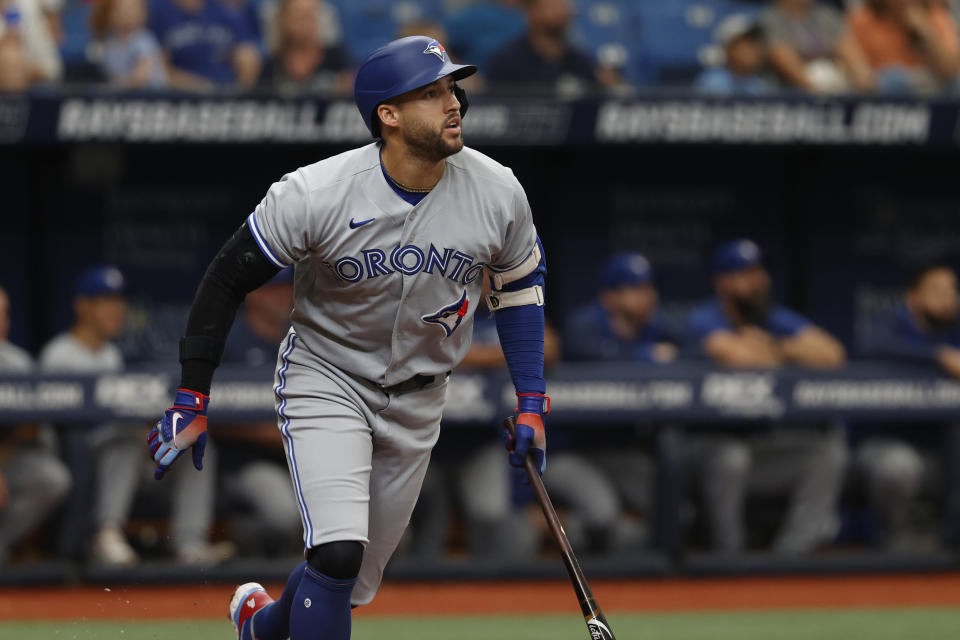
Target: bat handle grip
(510,424)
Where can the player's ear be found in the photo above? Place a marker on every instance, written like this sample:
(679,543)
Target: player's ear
(389,115)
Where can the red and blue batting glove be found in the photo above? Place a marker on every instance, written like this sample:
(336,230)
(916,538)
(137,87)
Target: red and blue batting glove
(530,436)
(184,425)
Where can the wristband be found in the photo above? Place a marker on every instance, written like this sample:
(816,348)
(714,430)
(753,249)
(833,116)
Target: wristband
(190,400)
(533,403)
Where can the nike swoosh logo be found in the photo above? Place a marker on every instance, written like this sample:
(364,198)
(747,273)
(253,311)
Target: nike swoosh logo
(354,225)
(174,419)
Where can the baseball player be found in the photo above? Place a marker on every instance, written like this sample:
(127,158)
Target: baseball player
(389,243)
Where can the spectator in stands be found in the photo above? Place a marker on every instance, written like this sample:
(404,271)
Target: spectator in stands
(911,45)
(205,44)
(810,47)
(743,328)
(251,455)
(897,463)
(544,56)
(622,325)
(328,23)
(247,13)
(14,67)
(131,56)
(33,480)
(117,448)
(744,60)
(29,23)
(482,28)
(302,60)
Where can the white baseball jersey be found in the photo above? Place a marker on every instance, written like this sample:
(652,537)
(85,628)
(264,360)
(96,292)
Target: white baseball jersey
(384,289)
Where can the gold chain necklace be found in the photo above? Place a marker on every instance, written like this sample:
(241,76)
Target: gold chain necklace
(405,187)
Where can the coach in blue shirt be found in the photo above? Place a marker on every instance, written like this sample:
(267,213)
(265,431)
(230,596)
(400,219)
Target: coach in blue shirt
(925,327)
(742,327)
(896,462)
(622,324)
(205,44)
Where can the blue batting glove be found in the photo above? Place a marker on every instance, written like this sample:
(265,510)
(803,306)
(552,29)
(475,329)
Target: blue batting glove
(529,436)
(183,426)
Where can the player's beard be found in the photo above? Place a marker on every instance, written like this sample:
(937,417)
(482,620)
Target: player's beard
(939,323)
(427,143)
(754,308)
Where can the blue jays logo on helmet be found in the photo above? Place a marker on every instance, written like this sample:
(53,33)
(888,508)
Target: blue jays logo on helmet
(436,49)
(449,317)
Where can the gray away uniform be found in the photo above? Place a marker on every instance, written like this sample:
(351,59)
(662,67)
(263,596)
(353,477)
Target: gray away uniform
(384,296)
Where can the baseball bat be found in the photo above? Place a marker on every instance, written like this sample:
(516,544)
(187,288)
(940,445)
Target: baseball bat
(597,624)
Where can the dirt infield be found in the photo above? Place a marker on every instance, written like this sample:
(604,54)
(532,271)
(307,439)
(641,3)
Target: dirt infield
(203,601)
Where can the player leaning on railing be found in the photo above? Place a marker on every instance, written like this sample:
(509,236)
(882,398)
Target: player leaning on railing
(390,243)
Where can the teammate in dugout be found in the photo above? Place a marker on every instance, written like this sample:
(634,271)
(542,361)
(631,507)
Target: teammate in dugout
(389,242)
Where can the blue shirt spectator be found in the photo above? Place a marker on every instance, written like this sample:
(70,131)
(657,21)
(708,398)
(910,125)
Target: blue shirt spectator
(123,61)
(131,55)
(721,81)
(622,325)
(206,44)
(745,57)
(742,327)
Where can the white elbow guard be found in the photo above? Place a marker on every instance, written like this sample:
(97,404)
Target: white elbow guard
(502,299)
(513,274)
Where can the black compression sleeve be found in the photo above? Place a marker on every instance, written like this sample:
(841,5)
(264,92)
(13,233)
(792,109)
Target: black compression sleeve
(238,268)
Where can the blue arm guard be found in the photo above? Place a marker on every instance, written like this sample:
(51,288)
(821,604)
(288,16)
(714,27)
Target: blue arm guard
(521,337)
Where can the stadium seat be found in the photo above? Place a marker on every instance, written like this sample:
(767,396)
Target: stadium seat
(367,24)
(75,18)
(602,27)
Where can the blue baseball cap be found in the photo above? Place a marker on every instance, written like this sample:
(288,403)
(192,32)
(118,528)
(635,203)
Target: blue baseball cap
(737,255)
(101,281)
(627,269)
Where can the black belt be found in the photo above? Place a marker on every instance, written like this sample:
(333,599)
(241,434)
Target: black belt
(415,383)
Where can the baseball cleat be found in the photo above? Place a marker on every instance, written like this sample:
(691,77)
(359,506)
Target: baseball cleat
(247,600)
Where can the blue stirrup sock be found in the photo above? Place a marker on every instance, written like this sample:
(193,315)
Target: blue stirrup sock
(321,607)
(328,610)
(273,621)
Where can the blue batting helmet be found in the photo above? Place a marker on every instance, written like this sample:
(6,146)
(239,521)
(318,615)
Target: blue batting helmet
(400,66)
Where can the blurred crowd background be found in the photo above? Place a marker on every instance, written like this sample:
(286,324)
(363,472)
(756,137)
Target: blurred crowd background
(571,47)
(702,258)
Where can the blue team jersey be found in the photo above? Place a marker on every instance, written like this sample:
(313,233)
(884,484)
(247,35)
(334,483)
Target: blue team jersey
(201,43)
(900,337)
(590,337)
(709,317)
